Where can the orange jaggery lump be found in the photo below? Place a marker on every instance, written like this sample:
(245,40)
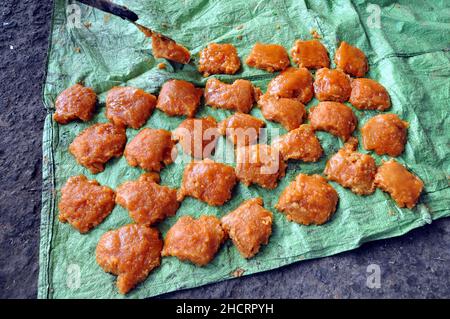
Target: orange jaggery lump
(208,181)
(259,164)
(402,185)
(332,85)
(300,144)
(129,106)
(84,203)
(310,54)
(194,240)
(151,149)
(294,83)
(146,201)
(239,96)
(269,57)
(368,94)
(241,129)
(97,144)
(219,58)
(352,169)
(351,60)
(166,48)
(385,134)
(288,112)
(75,102)
(130,252)
(309,199)
(333,117)
(249,226)
(198,137)
(178,97)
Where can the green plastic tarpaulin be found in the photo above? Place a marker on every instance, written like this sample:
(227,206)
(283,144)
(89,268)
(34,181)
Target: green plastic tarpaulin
(408,51)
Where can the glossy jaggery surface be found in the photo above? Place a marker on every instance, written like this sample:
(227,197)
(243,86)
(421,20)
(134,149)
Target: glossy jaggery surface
(97,144)
(208,181)
(178,97)
(219,58)
(249,226)
(151,149)
(75,102)
(332,85)
(130,252)
(300,144)
(241,129)
(238,96)
(288,112)
(294,83)
(146,201)
(163,47)
(198,137)
(351,60)
(84,203)
(403,186)
(307,200)
(368,94)
(310,54)
(129,106)
(268,57)
(385,134)
(194,240)
(333,117)
(259,164)
(352,169)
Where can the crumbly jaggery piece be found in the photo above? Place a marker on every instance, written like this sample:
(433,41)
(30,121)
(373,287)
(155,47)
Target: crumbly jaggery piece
(178,97)
(294,83)
(75,102)
(332,85)
(97,144)
(288,112)
(151,149)
(385,134)
(198,137)
(300,144)
(238,96)
(208,181)
(310,54)
(129,106)
(163,47)
(402,185)
(219,58)
(309,199)
(146,201)
(130,252)
(194,240)
(352,169)
(351,60)
(241,129)
(333,117)
(84,203)
(268,57)
(249,226)
(368,94)
(259,164)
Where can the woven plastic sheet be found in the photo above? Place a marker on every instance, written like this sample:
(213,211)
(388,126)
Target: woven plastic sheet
(408,52)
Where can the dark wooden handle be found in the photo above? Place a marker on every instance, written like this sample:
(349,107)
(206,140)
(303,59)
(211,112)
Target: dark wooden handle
(112,8)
